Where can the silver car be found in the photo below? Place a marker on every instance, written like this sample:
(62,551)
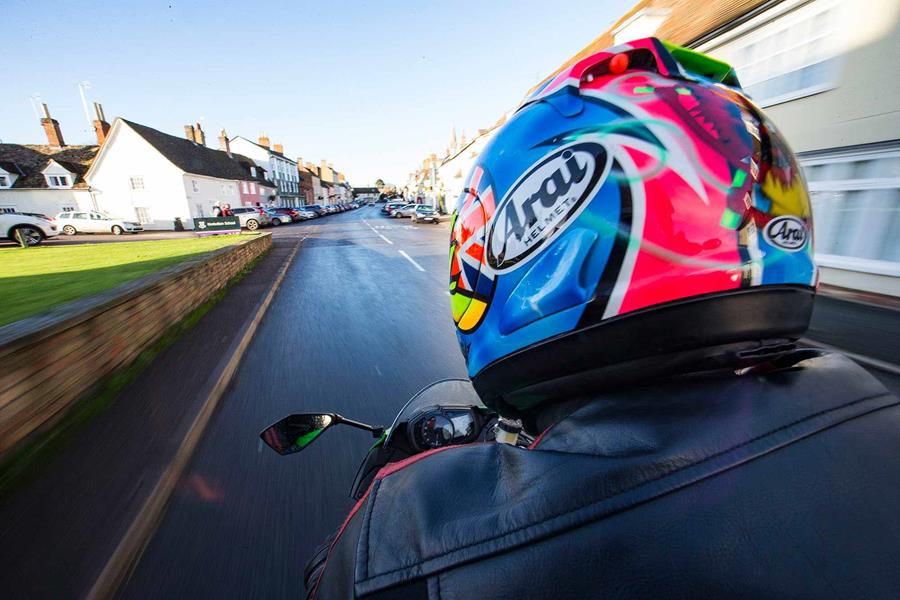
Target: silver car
(73,222)
(32,230)
(251,217)
(277,217)
(404,211)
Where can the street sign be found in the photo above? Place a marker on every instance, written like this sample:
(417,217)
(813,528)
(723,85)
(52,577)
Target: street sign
(216,225)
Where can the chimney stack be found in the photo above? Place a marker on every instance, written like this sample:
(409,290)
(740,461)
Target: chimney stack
(101,126)
(199,136)
(224,144)
(279,148)
(51,128)
(264,140)
(189,133)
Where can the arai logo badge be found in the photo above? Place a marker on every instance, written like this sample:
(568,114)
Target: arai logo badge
(542,203)
(787,233)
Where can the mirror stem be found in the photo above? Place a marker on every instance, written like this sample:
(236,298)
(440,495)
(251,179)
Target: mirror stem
(376,431)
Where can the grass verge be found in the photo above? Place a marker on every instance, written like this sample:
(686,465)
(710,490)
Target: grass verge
(27,461)
(33,280)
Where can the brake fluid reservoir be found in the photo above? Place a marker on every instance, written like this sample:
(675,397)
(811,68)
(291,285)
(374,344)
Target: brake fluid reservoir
(508,431)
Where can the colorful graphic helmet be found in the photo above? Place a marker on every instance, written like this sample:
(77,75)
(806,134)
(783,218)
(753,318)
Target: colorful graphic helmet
(636,216)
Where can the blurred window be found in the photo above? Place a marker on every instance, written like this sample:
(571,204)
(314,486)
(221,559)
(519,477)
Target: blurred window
(856,209)
(4,181)
(792,55)
(7,209)
(137,183)
(143,214)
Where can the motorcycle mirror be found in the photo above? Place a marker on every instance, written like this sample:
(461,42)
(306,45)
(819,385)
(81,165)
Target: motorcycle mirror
(295,432)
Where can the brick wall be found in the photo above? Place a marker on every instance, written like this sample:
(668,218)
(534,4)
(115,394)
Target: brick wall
(49,361)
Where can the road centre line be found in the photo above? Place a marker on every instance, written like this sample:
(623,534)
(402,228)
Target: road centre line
(410,259)
(378,234)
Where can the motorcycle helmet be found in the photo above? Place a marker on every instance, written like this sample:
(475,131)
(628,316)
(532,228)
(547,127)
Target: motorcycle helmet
(636,216)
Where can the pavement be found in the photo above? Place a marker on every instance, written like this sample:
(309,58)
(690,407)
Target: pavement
(360,323)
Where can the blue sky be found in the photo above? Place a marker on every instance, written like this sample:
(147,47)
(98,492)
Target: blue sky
(371,86)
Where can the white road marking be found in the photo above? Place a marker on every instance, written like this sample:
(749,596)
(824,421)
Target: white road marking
(378,234)
(410,259)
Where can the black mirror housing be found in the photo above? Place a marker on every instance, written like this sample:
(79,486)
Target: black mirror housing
(295,432)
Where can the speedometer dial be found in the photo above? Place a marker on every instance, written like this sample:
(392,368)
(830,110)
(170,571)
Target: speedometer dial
(434,430)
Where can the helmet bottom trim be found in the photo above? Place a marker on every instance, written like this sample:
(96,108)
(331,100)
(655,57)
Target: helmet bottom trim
(731,329)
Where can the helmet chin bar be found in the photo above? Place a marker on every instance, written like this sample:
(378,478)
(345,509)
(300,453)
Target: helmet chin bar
(726,330)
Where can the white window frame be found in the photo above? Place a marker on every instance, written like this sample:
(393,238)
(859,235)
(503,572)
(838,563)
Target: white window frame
(136,182)
(852,263)
(7,208)
(771,24)
(145,218)
(5,181)
(244,189)
(195,185)
(58,181)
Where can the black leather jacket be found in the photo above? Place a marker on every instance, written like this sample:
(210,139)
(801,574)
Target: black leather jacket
(777,485)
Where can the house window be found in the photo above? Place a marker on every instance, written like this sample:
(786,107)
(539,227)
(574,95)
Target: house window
(195,185)
(58,180)
(143,214)
(137,183)
(4,181)
(7,209)
(68,208)
(856,203)
(243,187)
(789,57)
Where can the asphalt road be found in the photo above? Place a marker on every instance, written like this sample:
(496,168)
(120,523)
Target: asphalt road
(356,328)
(361,322)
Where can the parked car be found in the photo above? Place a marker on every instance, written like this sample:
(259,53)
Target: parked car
(390,206)
(425,214)
(407,210)
(279,216)
(251,217)
(33,229)
(95,222)
(316,208)
(303,213)
(39,216)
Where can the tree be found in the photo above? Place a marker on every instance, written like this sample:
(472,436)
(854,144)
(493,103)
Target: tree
(379,183)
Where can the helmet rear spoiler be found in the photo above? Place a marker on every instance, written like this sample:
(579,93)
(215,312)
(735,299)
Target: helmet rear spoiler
(702,65)
(650,54)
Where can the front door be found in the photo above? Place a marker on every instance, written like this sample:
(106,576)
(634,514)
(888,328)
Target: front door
(98,223)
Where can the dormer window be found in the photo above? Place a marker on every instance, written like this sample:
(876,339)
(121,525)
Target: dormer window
(5,182)
(58,176)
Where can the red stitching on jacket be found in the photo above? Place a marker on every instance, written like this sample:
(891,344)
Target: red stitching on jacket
(541,436)
(346,522)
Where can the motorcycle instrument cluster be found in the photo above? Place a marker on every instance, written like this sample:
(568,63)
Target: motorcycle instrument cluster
(441,427)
